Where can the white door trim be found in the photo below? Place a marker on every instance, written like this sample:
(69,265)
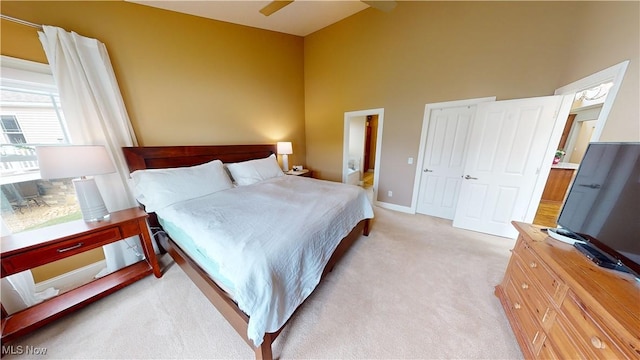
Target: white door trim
(545,168)
(423,137)
(615,74)
(345,147)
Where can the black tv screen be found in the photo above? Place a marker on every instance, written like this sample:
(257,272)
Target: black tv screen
(603,203)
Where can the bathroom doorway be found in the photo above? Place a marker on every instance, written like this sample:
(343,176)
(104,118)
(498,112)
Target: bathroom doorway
(362,147)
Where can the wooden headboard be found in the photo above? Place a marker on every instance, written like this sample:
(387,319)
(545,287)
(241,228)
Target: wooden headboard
(157,157)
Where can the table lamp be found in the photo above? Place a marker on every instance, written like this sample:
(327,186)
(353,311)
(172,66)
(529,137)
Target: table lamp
(284,148)
(78,161)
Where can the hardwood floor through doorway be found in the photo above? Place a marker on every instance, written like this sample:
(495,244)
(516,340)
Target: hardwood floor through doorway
(548,212)
(367,179)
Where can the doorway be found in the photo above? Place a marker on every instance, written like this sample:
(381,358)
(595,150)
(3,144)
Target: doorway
(362,148)
(594,97)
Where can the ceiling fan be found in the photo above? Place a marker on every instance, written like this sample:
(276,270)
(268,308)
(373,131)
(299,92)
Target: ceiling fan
(272,7)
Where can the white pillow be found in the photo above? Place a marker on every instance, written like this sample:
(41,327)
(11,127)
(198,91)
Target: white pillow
(253,171)
(158,188)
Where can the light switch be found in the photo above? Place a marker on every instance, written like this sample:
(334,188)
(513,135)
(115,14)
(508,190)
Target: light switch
(410,161)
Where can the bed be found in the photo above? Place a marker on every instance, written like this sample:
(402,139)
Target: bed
(196,235)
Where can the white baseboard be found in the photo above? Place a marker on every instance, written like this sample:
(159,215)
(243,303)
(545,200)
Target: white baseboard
(72,278)
(404,209)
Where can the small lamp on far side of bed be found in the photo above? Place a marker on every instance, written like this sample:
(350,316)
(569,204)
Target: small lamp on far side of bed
(285,149)
(78,161)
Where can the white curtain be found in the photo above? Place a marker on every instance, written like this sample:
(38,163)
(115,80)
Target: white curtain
(95,115)
(19,292)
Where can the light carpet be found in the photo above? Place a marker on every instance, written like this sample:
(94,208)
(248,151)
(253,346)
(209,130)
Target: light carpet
(415,288)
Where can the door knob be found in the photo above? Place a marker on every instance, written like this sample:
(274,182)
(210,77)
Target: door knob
(427,170)
(470,178)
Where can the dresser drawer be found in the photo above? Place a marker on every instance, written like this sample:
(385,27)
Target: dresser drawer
(547,351)
(538,304)
(530,328)
(562,340)
(591,332)
(59,250)
(537,270)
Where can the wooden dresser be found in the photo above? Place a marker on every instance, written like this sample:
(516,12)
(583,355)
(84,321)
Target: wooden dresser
(562,306)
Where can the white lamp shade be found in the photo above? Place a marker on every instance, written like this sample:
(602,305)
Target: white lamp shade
(69,161)
(284,148)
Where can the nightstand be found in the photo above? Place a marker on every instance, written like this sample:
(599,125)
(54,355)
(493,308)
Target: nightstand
(29,249)
(303,173)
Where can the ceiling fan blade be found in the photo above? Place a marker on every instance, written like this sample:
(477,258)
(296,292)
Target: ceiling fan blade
(274,6)
(384,5)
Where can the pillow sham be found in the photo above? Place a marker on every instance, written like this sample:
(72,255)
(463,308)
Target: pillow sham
(253,171)
(159,188)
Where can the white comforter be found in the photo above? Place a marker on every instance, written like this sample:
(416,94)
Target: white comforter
(272,239)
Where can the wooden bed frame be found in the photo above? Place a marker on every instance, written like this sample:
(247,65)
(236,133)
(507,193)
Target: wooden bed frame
(176,156)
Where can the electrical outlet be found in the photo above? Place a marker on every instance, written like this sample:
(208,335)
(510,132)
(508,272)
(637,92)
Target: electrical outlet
(390,193)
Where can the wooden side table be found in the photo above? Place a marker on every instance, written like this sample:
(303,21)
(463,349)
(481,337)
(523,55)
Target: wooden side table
(303,172)
(29,249)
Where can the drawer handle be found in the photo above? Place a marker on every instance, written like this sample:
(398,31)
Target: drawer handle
(524,286)
(597,343)
(517,305)
(535,337)
(544,317)
(70,247)
(533,264)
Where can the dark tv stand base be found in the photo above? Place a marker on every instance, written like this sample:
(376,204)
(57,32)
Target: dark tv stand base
(602,259)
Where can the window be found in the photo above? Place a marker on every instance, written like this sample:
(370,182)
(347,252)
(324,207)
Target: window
(31,115)
(11,130)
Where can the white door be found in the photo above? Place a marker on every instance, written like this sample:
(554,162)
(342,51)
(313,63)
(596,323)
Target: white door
(444,158)
(510,149)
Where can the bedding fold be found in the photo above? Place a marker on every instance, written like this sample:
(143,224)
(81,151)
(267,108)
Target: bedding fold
(271,239)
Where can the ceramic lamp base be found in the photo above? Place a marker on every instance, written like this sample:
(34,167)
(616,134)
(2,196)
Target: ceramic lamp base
(91,203)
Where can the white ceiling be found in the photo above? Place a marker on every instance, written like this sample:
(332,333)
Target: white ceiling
(302,17)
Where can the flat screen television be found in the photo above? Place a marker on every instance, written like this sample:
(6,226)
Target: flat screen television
(603,205)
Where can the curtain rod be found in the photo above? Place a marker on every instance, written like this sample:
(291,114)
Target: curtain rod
(21,22)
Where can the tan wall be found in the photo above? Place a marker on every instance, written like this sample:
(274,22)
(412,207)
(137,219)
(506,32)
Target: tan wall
(185,79)
(606,34)
(188,80)
(426,52)
(57,268)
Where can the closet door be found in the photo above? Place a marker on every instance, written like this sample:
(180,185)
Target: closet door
(444,158)
(508,161)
